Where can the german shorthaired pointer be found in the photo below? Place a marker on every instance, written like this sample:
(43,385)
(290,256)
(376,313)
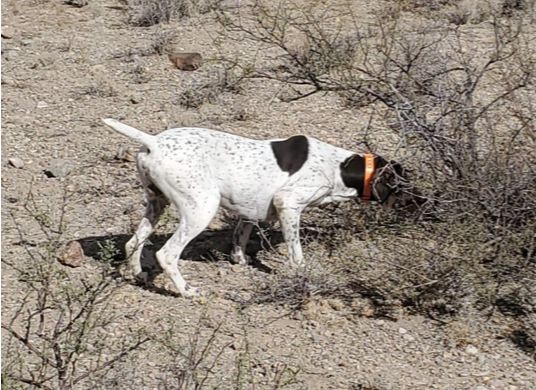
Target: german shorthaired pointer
(199,169)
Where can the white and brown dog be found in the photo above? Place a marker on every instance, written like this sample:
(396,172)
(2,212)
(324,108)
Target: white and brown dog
(199,169)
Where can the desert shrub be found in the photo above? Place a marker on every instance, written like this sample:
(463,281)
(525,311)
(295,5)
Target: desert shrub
(461,12)
(144,13)
(56,335)
(464,125)
(208,87)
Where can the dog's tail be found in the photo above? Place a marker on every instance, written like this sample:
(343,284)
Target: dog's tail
(137,135)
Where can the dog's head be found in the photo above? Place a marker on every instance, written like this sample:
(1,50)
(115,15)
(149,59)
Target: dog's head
(377,179)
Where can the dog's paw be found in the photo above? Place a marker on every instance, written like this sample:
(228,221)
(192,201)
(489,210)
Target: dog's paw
(238,257)
(296,265)
(141,278)
(191,291)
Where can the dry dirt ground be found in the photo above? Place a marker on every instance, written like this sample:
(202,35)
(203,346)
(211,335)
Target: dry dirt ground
(63,68)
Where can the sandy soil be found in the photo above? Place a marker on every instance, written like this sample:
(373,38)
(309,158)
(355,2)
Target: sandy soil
(63,68)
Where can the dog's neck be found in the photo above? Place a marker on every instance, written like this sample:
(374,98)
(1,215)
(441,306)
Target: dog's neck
(353,174)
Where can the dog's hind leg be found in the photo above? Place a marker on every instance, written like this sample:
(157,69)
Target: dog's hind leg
(196,213)
(156,203)
(240,240)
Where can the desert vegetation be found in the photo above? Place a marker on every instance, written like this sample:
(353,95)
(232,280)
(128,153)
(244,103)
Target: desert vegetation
(446,88)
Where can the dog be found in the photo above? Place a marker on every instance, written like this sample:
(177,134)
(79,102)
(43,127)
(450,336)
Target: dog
(200,169)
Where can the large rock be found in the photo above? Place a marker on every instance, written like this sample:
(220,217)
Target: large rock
(73,255)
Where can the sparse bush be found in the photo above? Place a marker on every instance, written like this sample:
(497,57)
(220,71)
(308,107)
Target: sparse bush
(56,336)
(99,89)
(207,89)
(144,13)
(467,124)
(162,40)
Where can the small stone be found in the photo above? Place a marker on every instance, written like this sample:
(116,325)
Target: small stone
(59,168)
(135,99)
(124,153)
(471,350)
(8,32)
(77,3)
(402,331)
(336,304)
(368,311)
(42,104)
(480,387)
(408,337)
(311,310)
(73,255)
(16,162)
(282,250)
(298,316)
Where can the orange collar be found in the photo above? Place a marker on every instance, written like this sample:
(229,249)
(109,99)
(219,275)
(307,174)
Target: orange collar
(369,175)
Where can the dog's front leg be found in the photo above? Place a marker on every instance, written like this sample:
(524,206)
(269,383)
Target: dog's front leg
(289,210)
(240,240)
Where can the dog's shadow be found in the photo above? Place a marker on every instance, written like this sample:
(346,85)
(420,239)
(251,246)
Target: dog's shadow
(211,245)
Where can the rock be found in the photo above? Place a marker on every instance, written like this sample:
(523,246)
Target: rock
(135,99)
(73,255)
(77,3)
(16,162)
(59,168)
(282,250)
(368,311)
(402,331)
(186,61)
(471,350)
(42,104)
(336,304)
(124,153)
(408,337)
(8,32)
(314,310)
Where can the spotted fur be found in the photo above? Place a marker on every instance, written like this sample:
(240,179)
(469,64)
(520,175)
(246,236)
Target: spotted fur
(199,169)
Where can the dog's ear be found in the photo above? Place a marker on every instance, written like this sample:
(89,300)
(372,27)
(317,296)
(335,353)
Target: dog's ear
(352,172)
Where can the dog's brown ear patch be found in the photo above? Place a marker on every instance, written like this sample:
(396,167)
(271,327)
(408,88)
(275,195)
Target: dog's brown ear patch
(291,153)
(353,172)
